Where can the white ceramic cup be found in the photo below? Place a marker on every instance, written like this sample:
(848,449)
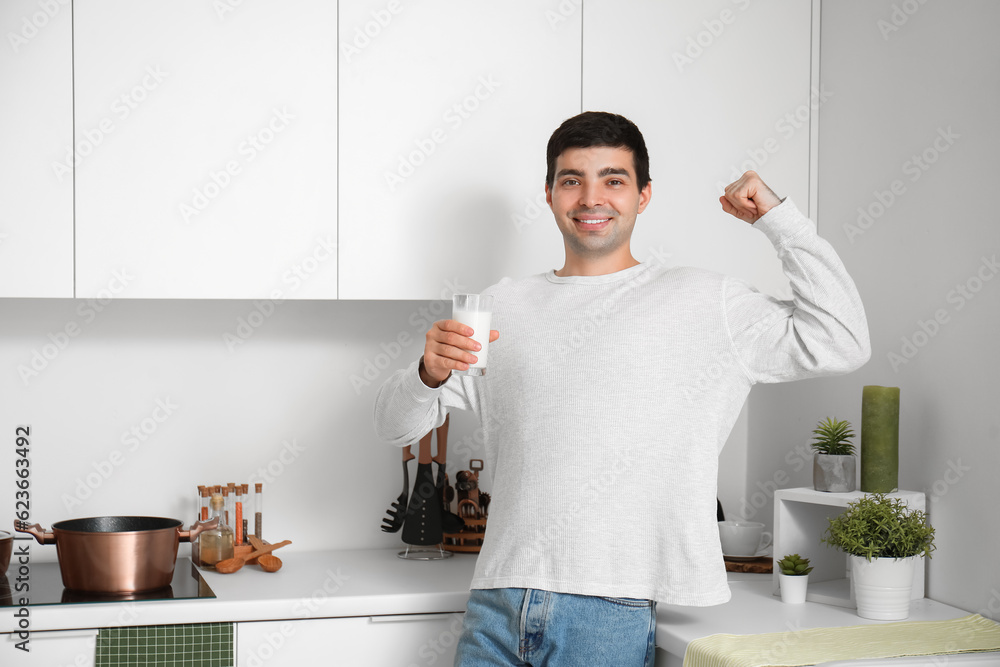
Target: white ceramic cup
(743,538)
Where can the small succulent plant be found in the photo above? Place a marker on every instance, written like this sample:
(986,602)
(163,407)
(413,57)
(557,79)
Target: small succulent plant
(794,564)
(833,437)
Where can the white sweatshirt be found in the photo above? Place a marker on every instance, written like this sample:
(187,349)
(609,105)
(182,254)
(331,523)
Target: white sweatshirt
(607,400)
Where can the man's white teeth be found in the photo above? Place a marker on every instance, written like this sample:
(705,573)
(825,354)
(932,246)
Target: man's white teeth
(594,222)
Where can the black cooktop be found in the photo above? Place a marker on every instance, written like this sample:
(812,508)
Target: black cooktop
(46,587)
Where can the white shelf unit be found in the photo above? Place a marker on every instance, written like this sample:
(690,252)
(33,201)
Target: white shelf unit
(800,520)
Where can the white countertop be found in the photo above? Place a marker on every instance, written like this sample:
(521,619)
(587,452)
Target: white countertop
(375,582)
(317,584)
(753,610)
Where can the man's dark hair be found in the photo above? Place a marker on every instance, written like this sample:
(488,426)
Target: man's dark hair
(598,128)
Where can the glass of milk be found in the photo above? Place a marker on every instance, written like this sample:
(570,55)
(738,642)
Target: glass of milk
(474,310)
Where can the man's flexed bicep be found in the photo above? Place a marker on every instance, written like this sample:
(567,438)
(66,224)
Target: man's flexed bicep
(822,330)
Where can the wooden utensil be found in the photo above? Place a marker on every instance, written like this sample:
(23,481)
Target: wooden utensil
(231,565)
(267,562)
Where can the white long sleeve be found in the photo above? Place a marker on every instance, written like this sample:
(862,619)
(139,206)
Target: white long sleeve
(607,400)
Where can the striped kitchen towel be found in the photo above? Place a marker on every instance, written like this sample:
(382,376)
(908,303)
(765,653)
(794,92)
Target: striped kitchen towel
(815,645)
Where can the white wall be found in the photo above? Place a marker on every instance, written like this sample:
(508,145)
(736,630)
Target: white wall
(290,381)
(895,92)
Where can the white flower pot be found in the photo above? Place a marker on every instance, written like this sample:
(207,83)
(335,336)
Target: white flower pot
(882,586)
(793,587)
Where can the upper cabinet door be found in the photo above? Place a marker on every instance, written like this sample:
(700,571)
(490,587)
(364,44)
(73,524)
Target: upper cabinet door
(717,88)
(445,110)
(36,149)
(207,136)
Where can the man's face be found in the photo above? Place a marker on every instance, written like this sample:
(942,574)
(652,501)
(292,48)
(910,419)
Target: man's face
(595,199)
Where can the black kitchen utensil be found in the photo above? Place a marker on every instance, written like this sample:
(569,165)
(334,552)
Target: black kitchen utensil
(450,522)
(393,520)
(422,523)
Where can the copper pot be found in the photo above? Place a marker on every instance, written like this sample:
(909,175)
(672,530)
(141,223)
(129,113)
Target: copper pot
(116,554)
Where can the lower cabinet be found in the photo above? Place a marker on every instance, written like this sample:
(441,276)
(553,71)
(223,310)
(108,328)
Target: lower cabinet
(62,648)
(409,640)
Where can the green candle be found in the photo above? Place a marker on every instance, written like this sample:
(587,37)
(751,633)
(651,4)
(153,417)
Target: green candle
(879,439)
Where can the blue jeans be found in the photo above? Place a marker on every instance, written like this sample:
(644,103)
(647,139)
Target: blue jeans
(528,627)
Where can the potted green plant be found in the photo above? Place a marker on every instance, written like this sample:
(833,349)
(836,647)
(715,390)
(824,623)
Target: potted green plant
(883,538)
(793,578)
(834,463)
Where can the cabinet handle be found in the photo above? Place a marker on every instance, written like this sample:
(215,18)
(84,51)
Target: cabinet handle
(403,618)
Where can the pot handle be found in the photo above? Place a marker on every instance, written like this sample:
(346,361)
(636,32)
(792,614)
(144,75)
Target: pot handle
(196,529)
(36,530)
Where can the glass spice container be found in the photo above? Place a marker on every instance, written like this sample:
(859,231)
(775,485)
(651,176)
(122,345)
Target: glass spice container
(215,544)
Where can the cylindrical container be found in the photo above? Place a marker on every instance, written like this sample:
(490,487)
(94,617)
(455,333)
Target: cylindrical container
(247,513)
(226,500)
(793,587)
(882,586)
(476,311)
(238,524)
(879,439)
(116,554)
(206,493)
(258,510)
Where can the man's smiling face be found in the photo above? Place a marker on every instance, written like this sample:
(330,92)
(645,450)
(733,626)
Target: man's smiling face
(595,200)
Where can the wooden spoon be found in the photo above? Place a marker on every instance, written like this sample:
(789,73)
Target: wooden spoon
(267,562)
(231,565)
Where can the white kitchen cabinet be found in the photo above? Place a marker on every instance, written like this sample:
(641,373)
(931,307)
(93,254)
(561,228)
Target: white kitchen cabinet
(409,640)
(72,648)
(36,150)
(445,110)
(716,88)
(212,167)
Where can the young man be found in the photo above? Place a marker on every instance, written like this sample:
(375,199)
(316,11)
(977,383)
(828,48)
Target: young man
(608,397)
